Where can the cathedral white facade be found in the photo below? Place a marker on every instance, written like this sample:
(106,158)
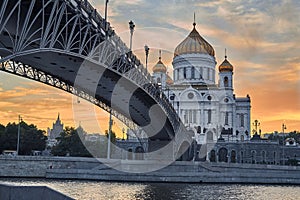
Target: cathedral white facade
(207,107)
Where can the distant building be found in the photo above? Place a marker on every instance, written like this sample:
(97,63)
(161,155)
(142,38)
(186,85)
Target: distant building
(134,147)
(54,133)
(255,151)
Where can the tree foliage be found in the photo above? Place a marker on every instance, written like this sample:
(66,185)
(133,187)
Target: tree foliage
(72,143)
(31,138)
(276,137)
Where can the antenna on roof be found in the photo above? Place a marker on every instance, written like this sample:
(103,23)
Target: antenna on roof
(194,24)
(160,55)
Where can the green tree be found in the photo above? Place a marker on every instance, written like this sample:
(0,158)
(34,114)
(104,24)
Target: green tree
(70,143)
(295,135)
(31,138)
(113,136)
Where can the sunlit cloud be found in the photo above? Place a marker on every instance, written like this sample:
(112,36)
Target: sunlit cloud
(262,39)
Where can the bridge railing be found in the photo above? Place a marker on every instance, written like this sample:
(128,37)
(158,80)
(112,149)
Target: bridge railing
(160,97)
(133,60)
(117,42)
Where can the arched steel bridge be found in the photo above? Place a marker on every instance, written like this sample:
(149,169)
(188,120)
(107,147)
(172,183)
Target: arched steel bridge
(63,43)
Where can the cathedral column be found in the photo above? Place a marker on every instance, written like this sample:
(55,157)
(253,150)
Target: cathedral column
(202,115)
(234,124)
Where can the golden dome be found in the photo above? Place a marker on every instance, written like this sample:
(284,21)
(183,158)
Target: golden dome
(194,43)
(159,67)
(169,80)
(225,66)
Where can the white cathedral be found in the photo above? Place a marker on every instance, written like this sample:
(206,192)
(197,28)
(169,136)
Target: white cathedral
(209,109)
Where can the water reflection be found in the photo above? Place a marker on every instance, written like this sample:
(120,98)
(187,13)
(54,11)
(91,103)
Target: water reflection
(92,190)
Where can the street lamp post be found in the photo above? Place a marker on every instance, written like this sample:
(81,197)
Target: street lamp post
(131,27)
(147,54)
(283,128)
(109,134)
(123,131)
(106,31)
(19,131)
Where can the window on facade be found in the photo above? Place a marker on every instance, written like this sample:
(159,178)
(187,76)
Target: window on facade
(193,73)
(226,81)
(242,120)
(242,157)
(263,156)
(242,138)
(226,118)
(158,80)
(178,74)
(209,116)
(253,157)
(186,117)
(201,73)
(184,73)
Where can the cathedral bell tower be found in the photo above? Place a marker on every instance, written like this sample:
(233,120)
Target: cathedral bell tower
(159,73)
(226,74)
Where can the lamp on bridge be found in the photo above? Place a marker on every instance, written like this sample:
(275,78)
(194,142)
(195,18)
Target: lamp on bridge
(109,134)
(131,27)
(147,54)
(256,124)
(123,131)
(19,131)
(106,31)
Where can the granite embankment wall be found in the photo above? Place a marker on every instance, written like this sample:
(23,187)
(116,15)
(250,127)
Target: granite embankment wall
(8,192)
(93,169)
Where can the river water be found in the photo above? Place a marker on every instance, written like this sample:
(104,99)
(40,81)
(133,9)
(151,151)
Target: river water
(92,190)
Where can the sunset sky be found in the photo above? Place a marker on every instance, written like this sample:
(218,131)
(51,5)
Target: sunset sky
(262,40)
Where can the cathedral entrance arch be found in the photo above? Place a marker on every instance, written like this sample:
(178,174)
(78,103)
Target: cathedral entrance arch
(233,156)
(209,137)
(139,151)
(129,154)
(212,156)
(223,152)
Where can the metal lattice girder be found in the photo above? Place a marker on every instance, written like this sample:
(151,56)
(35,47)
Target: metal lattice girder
(68,32)
(29,72)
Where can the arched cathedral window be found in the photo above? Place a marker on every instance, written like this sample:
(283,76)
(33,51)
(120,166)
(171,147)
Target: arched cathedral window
(226,118)
(193,73)
(242,120)
(226,84)
(158,80)
(209,116)
(184,73)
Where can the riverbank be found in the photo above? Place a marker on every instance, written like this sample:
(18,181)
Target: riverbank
(181,172)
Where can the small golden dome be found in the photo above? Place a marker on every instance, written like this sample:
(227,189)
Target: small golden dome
(225,66)
(169,80)
(194,43)
(159,67)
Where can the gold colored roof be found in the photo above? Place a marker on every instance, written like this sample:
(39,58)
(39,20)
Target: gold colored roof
(194,43)
(225,66)
(159,67)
